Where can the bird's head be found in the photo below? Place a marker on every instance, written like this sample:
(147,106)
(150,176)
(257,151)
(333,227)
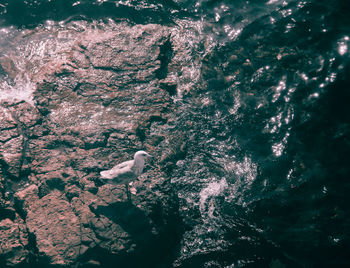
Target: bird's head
(141,155)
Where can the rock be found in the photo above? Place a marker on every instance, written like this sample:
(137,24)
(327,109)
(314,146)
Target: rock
(25,115)
(13,242)
(18,122)
(55,227)
(8,67)
(98,97)
(7,125)
(98,230)
(11,143)
(27,196)
(12,155)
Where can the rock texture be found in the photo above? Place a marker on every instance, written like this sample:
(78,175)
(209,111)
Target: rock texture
(13,242)
(100,93)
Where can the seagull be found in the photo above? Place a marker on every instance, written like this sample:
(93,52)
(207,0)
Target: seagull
(126,172)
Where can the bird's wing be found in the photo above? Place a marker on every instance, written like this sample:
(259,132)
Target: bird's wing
(123,165)
(117,170)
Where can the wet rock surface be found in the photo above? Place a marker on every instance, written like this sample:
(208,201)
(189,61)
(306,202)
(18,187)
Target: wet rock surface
(98,95)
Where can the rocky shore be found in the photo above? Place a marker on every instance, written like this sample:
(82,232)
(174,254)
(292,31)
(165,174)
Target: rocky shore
(98,94)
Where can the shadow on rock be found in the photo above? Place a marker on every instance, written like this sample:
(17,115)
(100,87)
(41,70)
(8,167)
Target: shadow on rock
(150,249)
(132,219)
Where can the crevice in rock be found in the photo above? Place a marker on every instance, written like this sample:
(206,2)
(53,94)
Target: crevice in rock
(8,128)
(5,173)
(108,68)
(7,213)
(143,129)
(60,144)
(81,225)
(22,129)
(36,259)
(55,183)
(169,87)
(64,73)
(76,88)
(165,56)
(104,68)
(43,190)
(18,206)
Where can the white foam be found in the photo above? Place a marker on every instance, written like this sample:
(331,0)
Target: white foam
(21,90)
(213,189)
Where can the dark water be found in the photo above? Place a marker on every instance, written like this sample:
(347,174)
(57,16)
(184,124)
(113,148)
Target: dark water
(266,179)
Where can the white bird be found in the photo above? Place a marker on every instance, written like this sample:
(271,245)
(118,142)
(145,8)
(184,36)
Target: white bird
(126,172)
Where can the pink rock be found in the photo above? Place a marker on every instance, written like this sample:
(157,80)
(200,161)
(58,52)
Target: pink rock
(13,242)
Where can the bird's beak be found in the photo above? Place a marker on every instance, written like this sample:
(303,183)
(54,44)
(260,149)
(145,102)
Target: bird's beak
(149,155)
